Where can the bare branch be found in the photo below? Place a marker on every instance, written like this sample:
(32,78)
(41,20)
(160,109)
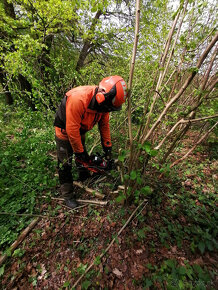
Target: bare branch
(193,148)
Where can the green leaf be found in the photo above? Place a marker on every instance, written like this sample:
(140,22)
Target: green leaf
(153,152)
(133,175)
(146,190)
(170,263)
(120,198)
(86,284)
(201,247)
(2,270)
(66,284)
(147,147)
(121,158)
(97,260)
(181,284)
(182,270)
(139,180)
(126,176)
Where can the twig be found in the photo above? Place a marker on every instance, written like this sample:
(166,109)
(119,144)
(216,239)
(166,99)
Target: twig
(72,209)
(160,79)
(161,97)
(182,121)
(19,240)
(141,210)
(109,246)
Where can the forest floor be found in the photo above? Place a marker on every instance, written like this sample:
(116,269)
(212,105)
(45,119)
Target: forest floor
(168,244)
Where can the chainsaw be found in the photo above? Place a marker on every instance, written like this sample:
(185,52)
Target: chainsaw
(96,164)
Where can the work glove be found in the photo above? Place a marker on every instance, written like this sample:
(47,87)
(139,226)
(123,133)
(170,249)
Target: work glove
(107,153)
(82,156)
(108,157)
(82,160)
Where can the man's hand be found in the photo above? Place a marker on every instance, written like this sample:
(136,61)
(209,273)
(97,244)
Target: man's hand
(83,156)
(107,153)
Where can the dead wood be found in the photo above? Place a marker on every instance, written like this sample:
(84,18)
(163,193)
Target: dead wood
(20,239)
(89,190)
(95,202)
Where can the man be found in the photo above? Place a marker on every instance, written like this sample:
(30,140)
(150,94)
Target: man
(79,111)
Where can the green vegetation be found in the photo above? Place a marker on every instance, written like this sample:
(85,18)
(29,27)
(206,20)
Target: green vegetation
(26,169)
(165,141)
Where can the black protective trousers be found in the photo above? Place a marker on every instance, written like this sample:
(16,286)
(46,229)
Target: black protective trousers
(64,155)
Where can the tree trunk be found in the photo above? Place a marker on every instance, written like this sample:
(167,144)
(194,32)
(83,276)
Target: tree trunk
(3,79)
(87,43)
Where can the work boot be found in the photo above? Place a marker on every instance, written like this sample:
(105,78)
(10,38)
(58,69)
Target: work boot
(72,203)
(67,193)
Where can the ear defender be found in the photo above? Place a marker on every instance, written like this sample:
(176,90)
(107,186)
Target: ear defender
(100,98)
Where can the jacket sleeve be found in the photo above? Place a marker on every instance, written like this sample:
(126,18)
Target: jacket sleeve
(74,114)
(104,129)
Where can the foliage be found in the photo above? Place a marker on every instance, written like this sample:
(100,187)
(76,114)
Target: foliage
(26,168)
(174,276)
(48,47)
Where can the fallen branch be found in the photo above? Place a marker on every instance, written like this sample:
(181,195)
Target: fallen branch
(109,246)
(96,202)
(83,201)
(89,190)
(72,209)
(19,240)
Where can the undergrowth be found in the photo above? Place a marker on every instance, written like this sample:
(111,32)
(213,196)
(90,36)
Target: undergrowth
(180,218)
(26,168)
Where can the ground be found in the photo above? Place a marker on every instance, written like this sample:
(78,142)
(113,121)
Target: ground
(168,244)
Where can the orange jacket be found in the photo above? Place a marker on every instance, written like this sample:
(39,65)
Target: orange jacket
(80,117)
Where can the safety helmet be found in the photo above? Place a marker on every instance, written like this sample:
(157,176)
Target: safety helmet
(115,91)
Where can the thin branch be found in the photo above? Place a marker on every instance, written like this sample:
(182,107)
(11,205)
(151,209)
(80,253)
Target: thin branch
(162,62)
(193,148)
(183,88)
(131,76)
(182,121)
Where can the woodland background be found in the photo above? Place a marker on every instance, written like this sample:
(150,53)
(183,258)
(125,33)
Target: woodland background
(164,138)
